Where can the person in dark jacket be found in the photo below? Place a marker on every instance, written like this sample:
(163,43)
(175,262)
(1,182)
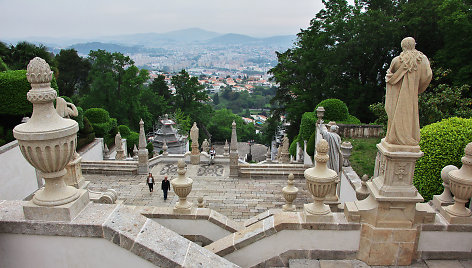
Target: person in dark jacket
(165,187)
(150,182)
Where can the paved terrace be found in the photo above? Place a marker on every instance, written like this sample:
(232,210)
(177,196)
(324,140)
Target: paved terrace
(238,199)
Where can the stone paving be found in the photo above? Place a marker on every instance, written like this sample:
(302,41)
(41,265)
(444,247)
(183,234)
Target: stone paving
(304,263)
(238,199)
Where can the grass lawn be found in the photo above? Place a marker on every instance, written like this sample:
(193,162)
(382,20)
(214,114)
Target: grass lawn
(363,155)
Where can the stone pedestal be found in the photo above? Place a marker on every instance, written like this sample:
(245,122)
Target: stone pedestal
(284,158)
(388,215)
(195,159)
(233,165)
(74,176)
(66,212)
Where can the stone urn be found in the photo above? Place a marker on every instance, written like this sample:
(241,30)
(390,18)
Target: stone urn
(290,193)
(460,183)
(319,180)
(164,148)
(182,187)
(346,150)
(446,196)
(47,141)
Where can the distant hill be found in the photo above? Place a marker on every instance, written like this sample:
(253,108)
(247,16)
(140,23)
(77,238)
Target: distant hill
(84,48)
(232,38)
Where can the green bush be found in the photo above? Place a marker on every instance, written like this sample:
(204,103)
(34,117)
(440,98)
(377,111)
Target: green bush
(307,125)
(131,140)
(351,120)
(293,147)
(85,135)
(124,131)
(150,149)
(97,115)
(443,144)
(79,118)
(13,89)
(335,110)
(310,145)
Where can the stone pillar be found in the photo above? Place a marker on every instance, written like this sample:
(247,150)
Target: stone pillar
(135,153)
(306,158)
(233,153)
(120,152)
(387,215)
(195,155)
(290,193)
(143,154)
(37,139)
(268,156)
(226,149)
(182,186)
(460,182)
(319,180)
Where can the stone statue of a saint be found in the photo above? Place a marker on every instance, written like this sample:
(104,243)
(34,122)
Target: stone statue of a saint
(205,146)
(285,144)
(409,74)
(118,141)
(65,109)
(335,161)
(194,133)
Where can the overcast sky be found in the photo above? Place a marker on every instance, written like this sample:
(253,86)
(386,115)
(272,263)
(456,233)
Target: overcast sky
(91,18)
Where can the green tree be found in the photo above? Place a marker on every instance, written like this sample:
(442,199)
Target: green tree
(21,54)
(191,97)
(159,86)
(73,72)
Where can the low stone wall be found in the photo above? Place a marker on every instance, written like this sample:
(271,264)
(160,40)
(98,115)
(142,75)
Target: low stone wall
(124,228)
(110,167)
(18,178)
(259,171)
(361,131)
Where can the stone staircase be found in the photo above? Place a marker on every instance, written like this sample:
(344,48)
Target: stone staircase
(110,167)
(276,171)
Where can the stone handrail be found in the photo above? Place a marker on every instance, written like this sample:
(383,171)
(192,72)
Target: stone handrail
(360,131)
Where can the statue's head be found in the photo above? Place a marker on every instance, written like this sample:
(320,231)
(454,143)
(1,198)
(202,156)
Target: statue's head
(408,43)
(334,128)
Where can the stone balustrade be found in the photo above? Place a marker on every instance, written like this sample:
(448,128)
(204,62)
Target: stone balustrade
(360,131)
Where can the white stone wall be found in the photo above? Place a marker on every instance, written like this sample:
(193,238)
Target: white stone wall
(94,152)
(431,241)
(38,251)
(194,227)
(285,240)
(17,177)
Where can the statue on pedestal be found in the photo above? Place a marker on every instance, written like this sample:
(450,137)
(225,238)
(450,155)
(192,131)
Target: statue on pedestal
(205,146)
(409,74)
(334,140)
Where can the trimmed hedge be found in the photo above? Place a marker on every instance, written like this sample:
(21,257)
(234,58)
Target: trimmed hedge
(124,131)
(85,135)
(351,120)
(150,149)
(307,125)
(131,140)
(335,110)
(310,145)
(443,144)
(97,115)
(13,89)
(293,147)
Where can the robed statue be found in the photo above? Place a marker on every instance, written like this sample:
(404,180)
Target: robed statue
(409,74)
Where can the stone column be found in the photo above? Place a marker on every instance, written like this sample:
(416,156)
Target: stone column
(226,149)
(48,143)
(195,155)
(143,154)
(182,186)
(290,193)
(120,152)
(233,154)
(346,150)
(319,180)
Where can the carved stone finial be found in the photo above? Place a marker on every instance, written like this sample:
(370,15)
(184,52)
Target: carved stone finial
(460,182)
(200,204)
(290,193)
(182,187)
(38,71)
(362,192)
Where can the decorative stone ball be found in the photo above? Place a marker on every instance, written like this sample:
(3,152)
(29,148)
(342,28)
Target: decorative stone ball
(38,71)
(181,164)
(445,171)
(322,147)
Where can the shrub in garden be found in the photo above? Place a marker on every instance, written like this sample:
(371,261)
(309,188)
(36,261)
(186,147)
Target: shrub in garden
(443,144)
(293,147)
(335,110)
(307,125)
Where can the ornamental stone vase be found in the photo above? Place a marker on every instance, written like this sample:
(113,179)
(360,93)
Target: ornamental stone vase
(47,141)
(319,180)
(290,193)
(182,187)
(460,182)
